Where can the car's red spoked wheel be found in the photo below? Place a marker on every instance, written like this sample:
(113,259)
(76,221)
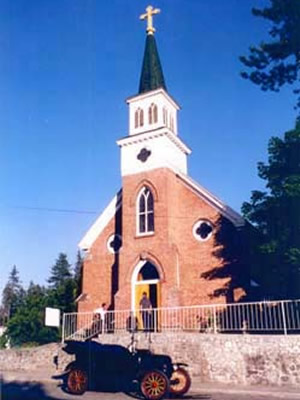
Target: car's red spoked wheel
(154,385)
(77,381)
(180,382)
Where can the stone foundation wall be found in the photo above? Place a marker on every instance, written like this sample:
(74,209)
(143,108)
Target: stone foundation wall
(35,358)
(231,359)
(236,359)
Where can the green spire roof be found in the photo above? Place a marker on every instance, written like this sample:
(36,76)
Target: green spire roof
(152,76)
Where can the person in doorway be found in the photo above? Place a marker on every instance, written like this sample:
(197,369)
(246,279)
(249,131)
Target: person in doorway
(100,314)
(145,309)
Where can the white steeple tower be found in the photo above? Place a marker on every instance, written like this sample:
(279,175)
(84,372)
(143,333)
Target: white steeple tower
(152,140)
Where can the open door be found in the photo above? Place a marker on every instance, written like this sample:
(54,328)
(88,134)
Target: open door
(153,293)
(147,280)
(139,290)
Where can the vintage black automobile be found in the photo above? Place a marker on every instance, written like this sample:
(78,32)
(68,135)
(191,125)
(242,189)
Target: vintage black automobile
(114,368)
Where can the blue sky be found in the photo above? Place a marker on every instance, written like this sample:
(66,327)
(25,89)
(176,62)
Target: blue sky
(66,68)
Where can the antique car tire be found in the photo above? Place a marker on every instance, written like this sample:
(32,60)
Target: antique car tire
(180,382)
(154,385)
(77,381)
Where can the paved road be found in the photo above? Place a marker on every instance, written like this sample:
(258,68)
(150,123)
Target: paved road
(52,391)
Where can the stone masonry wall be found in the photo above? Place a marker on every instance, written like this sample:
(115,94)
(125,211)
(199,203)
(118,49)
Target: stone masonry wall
(35,358)
(229,359)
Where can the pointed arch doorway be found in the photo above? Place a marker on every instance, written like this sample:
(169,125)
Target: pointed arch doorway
(145,279)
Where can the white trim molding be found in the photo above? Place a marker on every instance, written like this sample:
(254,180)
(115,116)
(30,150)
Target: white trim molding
(153,134)
(212,200)
(165,150)
(145,213)
(95,230)
(152,93)
(197,225)
(140,115)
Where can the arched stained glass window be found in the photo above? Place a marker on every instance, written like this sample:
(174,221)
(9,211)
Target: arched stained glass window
(145,211)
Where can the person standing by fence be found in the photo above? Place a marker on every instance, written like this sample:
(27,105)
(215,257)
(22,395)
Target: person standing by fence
(145,309)
(101,315)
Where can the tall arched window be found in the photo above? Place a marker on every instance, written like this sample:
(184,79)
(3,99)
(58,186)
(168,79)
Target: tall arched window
(152,114)
(145,211)
(139,118)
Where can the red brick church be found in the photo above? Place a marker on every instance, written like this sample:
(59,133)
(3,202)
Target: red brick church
(161,233)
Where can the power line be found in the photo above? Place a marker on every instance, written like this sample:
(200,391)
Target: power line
(60,210)
(73,211)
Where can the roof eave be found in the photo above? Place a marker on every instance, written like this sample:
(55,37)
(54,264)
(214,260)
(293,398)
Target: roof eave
(101,222)
(141,96)
(219,205)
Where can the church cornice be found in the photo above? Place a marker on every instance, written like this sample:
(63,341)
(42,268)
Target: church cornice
(212,200)
(101,222)
(151,93)
(153,134)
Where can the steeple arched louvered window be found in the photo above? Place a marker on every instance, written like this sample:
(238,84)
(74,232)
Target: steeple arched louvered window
(145,211)
(165,116)
(172,123)
(139,118)
(152,114)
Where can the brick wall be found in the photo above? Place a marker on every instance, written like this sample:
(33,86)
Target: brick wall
(179,257)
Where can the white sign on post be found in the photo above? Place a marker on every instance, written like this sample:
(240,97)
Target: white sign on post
(52,316)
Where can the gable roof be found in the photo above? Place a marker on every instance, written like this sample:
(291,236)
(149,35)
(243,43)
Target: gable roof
(101,222)
(109,212)
(212,200)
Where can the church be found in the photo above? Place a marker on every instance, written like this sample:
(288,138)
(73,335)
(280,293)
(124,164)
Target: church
(162,233)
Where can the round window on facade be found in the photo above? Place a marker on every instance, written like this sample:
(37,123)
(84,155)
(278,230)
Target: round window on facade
(202,230)
(114,243)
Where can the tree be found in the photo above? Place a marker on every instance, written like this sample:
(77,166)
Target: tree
(27,324)
(13,293)
(3,316)
(60,272)
(277,62)
(62,285)
(276,214)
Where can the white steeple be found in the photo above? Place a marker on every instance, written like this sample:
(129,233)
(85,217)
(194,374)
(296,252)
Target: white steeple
(152,140)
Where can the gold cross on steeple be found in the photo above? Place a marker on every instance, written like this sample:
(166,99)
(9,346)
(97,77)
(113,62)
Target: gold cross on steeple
(150,11)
